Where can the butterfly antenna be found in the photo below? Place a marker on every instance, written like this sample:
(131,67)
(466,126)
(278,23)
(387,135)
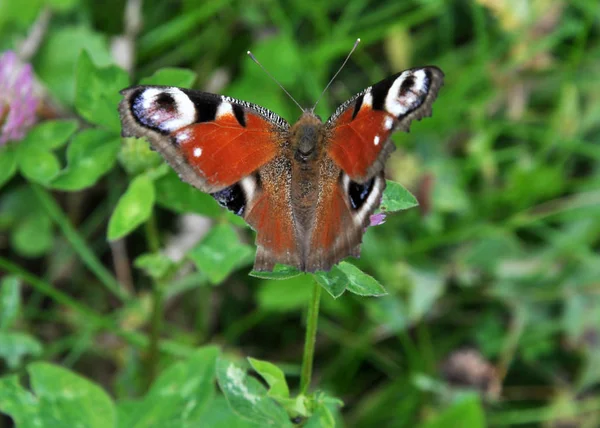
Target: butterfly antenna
(335,75)
(274,80)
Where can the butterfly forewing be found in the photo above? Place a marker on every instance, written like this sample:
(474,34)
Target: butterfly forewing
(361,127)
(212,141)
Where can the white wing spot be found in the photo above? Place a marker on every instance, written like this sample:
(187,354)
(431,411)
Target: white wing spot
(197,152)
(224,109)
(376,140)
(182,137)
(368,99)
(389,123)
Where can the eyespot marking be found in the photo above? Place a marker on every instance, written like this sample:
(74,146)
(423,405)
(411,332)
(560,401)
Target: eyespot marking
(163,109)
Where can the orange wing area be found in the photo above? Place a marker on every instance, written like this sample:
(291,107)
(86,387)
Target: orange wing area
(335,235)
(270,214)
(223,151)
(356,143)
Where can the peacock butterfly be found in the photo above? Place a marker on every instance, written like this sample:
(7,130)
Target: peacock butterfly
(307,189)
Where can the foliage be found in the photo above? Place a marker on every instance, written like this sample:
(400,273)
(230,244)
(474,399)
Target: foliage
(480,306)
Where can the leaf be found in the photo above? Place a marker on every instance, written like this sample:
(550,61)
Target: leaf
(180,77)
(334,282)
(465,413)
(32,237)
(321,418)
(38,165)
(8,164)
(280,272)
(285,296)
(49,135)
(179,397)
(220,253)
(274,377)
(360,283)
(248,398)
(397,198)
(10,301)
(174,194)
(136,157)
(220,415)
(57,59)
(155,265)
(60,398)
(97,92)
(133,208)
(16,346)
(90,155)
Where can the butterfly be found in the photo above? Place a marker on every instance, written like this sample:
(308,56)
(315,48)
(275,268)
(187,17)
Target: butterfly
(308,189)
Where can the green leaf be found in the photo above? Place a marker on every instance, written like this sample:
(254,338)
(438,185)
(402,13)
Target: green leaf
(38,165)
(274,377)
(57,59)
(32,237)
(321,418)
(465,413)
(136,157)
(179,397)
(248,398)
(60,398)
(174,194)
(360,283)
(90,155)
(155,265)
(133,208)
(334,282)
(397,198)
(8,164)
(220,253)
(97,92)
(280,272)
(220,415)
(10,301)
(285,296)
(49,135)
(171,77)
(16,346)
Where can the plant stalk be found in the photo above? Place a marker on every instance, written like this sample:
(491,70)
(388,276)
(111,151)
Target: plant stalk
(153,358)
(309,341)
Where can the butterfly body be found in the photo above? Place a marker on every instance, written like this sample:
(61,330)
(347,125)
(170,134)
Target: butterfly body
(307,189)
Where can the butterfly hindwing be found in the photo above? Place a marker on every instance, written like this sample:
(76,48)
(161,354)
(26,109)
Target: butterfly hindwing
(361,127)
(211,141)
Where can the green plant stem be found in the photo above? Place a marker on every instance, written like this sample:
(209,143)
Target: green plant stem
(309,341)
(78,243)
(152,238)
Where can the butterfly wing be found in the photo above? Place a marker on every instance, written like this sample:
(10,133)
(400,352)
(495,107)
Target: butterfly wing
(210,140)
(362,126)
(226,147)
(357,149)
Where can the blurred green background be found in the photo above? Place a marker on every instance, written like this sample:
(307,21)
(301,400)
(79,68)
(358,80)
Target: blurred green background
(493,282)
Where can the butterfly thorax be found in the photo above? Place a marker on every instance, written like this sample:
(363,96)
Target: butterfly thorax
(306,139)
(306,152)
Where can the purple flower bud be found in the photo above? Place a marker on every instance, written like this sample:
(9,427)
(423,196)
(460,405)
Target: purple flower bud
(377,219)
(18,102)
